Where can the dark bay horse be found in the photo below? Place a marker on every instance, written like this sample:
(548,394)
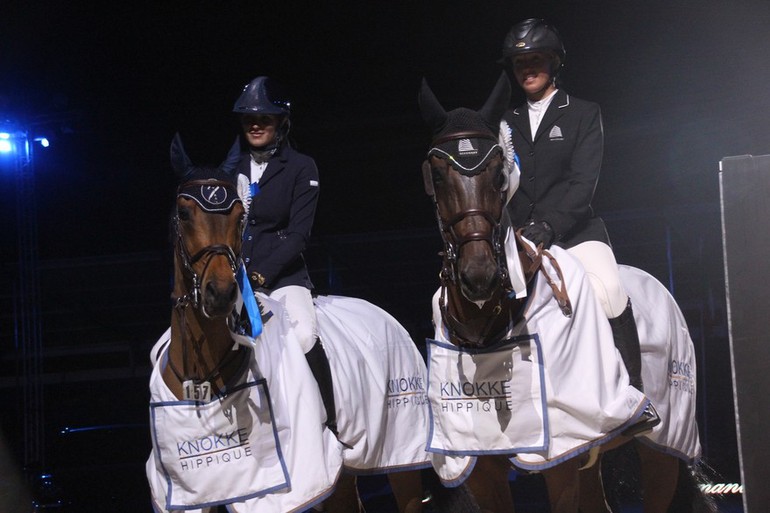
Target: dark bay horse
(500,295)
(237,421)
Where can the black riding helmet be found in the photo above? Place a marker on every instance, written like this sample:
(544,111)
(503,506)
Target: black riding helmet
(263,95)
(534,35)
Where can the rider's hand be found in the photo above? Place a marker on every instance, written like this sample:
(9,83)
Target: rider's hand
(539,232)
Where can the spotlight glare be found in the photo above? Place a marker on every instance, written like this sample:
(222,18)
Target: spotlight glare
(5,145)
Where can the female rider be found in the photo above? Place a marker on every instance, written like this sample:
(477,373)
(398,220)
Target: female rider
(559,141)
(284,193)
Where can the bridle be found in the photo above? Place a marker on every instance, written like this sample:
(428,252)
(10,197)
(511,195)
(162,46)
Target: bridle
(453,242)
(503,301)
(192,297)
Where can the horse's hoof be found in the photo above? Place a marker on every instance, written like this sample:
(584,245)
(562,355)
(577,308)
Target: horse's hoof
(647,422)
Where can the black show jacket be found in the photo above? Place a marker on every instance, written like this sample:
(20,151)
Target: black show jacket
(559,169)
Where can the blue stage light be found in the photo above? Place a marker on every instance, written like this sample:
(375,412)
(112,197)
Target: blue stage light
(5,143)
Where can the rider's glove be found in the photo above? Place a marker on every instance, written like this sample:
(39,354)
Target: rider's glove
(539,232)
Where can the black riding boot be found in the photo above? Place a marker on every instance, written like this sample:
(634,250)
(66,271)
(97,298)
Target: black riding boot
(627,341)
(319,366)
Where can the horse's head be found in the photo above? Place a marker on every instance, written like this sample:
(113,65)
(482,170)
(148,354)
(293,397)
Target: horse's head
(208,224)
(468,174)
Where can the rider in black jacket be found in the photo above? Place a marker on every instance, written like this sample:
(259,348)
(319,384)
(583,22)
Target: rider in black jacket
(559,140)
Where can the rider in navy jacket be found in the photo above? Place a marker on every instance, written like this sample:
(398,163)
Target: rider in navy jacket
(283,187)
(559,141)
(280,219)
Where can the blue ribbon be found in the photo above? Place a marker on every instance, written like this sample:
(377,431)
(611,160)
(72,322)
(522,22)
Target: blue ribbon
(249,301)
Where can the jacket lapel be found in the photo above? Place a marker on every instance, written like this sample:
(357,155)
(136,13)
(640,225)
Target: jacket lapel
(274,166)
(520,120)
(554,111)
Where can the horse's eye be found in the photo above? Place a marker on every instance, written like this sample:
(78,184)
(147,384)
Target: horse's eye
(183,214)
(500,182)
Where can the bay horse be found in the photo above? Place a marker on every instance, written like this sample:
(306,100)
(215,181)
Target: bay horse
(523,372)
(237,419)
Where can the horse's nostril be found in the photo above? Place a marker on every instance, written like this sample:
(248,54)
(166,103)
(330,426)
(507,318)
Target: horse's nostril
(478,282)
(219,296)
(233,292)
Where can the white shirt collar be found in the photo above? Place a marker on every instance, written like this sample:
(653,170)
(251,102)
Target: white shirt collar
(537,110)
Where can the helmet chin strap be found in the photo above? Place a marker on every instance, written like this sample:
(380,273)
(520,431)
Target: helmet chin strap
(262,154)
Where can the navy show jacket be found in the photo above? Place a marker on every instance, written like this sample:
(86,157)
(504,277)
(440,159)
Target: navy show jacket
(280,218)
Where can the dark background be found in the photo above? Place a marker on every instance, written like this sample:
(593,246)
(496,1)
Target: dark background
(681,85)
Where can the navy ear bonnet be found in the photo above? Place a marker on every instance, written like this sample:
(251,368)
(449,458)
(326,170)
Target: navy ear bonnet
(214,189)
(211,189)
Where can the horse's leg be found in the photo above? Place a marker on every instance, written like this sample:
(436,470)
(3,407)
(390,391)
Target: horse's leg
(563,483)
(592,499)
(345,497)
(407,489)
(660,473)
(488,482)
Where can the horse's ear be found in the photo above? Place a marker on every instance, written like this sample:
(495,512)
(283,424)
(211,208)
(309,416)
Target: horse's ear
(430,108)
(233,156)
(494,108)
(180,162)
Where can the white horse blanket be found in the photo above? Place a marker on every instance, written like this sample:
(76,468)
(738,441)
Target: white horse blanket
(557,387)
(668,365)
(264,447)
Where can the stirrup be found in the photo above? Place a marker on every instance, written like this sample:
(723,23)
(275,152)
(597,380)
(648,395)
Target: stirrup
(646,423)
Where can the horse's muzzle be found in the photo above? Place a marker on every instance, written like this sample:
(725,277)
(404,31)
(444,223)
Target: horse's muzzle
(479,279)
(218,297)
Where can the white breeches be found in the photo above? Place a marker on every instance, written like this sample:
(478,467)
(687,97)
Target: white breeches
(602,270)
(298,303)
